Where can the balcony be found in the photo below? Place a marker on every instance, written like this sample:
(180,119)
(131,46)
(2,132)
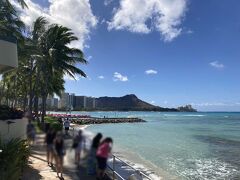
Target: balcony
(8,54)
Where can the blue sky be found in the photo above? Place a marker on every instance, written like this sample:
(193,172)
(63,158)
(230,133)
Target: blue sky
(169,53)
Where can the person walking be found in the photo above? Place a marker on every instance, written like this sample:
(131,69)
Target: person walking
(78,144)
(92,161)
(66,125)
(59,153)
(49,140)
(103,153)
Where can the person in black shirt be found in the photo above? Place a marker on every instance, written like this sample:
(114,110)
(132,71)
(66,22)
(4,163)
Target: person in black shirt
(50,136)
(92,162)
(60,152)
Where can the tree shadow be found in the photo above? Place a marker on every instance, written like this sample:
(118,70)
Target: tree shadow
(31,173)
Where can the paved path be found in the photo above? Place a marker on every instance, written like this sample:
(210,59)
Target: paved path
(38,168)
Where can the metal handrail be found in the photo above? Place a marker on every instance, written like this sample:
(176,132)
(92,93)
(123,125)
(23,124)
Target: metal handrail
(118,175)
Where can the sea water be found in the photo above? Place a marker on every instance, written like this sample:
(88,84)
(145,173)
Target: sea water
(179,145)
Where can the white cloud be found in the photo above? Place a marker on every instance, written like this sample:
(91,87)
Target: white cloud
(86,46)
(89,58)
(67,77)
(119,77)
(210,104)
(75,14)
(216,64)
(142,16)
(165,102)
(151,71)
(189,31)
(152,102)
(101,77)
(107,2)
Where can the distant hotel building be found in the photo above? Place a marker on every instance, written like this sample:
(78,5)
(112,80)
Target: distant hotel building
(64,101)
(70,101)
(52,102)
(80,102)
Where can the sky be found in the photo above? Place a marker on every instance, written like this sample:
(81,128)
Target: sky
(167,52)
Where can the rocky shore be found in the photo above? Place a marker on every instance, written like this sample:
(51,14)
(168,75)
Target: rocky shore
(96,120)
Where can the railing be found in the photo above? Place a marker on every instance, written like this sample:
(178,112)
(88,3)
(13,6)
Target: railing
(116,174)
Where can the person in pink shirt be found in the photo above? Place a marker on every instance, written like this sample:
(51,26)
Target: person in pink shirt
(103,152)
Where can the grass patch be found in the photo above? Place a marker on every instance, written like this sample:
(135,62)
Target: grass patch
(53,122)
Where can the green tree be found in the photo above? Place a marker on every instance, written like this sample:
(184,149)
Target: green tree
(45,56)
(59,59)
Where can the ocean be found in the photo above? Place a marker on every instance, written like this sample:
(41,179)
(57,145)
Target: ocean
(203,145)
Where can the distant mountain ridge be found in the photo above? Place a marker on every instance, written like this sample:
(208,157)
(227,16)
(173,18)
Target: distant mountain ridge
(132,103)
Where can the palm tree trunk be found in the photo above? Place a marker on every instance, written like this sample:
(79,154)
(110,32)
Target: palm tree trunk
(36,107)
(44,102)
(25,102)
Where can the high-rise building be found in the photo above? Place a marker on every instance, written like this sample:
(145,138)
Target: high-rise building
(52,102)
(55,102)
(80,102)
(64,101)
(72,100)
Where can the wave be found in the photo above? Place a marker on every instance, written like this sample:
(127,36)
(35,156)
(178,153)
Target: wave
(204,169)
(186,115)
(171,115)
(194,115)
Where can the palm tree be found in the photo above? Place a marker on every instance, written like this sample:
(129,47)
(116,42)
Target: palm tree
(59,59)
(21,2)
(44,58)
(34,59)
(10,23)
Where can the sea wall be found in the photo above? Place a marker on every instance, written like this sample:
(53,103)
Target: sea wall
(94,120)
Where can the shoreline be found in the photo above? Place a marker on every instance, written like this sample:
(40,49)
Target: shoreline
(137,163)
(127,157)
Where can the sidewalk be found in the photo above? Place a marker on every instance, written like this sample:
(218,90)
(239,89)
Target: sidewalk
(38,168)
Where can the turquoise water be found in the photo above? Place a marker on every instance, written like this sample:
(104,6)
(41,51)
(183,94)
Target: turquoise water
(184,145)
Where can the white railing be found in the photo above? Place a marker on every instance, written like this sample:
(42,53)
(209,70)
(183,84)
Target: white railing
(116,175)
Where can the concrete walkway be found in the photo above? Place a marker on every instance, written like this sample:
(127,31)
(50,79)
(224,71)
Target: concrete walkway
(38,168)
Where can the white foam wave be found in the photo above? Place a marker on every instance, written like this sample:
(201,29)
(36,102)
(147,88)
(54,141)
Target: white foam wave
(170,115)
(194,115)
(203,169)
(186,115)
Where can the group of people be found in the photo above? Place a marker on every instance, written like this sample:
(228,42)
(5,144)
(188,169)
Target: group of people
(97,156)
(55,150)
(98,153)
